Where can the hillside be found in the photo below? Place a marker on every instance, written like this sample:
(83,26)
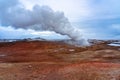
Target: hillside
(55,60)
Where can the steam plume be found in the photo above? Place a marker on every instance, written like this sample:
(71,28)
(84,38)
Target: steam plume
(39,18)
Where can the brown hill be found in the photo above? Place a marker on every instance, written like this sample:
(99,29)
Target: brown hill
(48,60)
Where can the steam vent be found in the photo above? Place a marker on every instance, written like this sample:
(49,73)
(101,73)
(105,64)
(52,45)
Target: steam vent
(59,40)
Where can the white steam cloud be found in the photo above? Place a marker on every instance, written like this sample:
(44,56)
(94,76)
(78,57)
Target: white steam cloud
(39,18)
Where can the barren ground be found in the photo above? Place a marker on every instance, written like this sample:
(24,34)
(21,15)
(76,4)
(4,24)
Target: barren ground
(46,60)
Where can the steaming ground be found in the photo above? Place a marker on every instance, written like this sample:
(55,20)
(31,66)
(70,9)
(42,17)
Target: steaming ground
(53,60)
(39,18)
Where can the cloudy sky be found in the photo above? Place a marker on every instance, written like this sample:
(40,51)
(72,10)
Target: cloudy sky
(95,18)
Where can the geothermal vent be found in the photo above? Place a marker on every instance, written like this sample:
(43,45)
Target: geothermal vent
(39,18)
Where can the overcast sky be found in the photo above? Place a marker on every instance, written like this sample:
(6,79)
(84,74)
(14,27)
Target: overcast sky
(95,18)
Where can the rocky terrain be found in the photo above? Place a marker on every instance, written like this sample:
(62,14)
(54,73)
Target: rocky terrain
(55,60)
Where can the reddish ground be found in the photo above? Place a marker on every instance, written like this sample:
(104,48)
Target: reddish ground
(45,60)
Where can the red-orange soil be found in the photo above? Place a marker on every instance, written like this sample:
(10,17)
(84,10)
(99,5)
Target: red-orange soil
(46,60)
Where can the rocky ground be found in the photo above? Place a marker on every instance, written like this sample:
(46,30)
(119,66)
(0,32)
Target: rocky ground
(55,60)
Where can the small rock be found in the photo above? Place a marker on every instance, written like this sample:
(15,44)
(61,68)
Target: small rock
(71,50)
(29,66)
